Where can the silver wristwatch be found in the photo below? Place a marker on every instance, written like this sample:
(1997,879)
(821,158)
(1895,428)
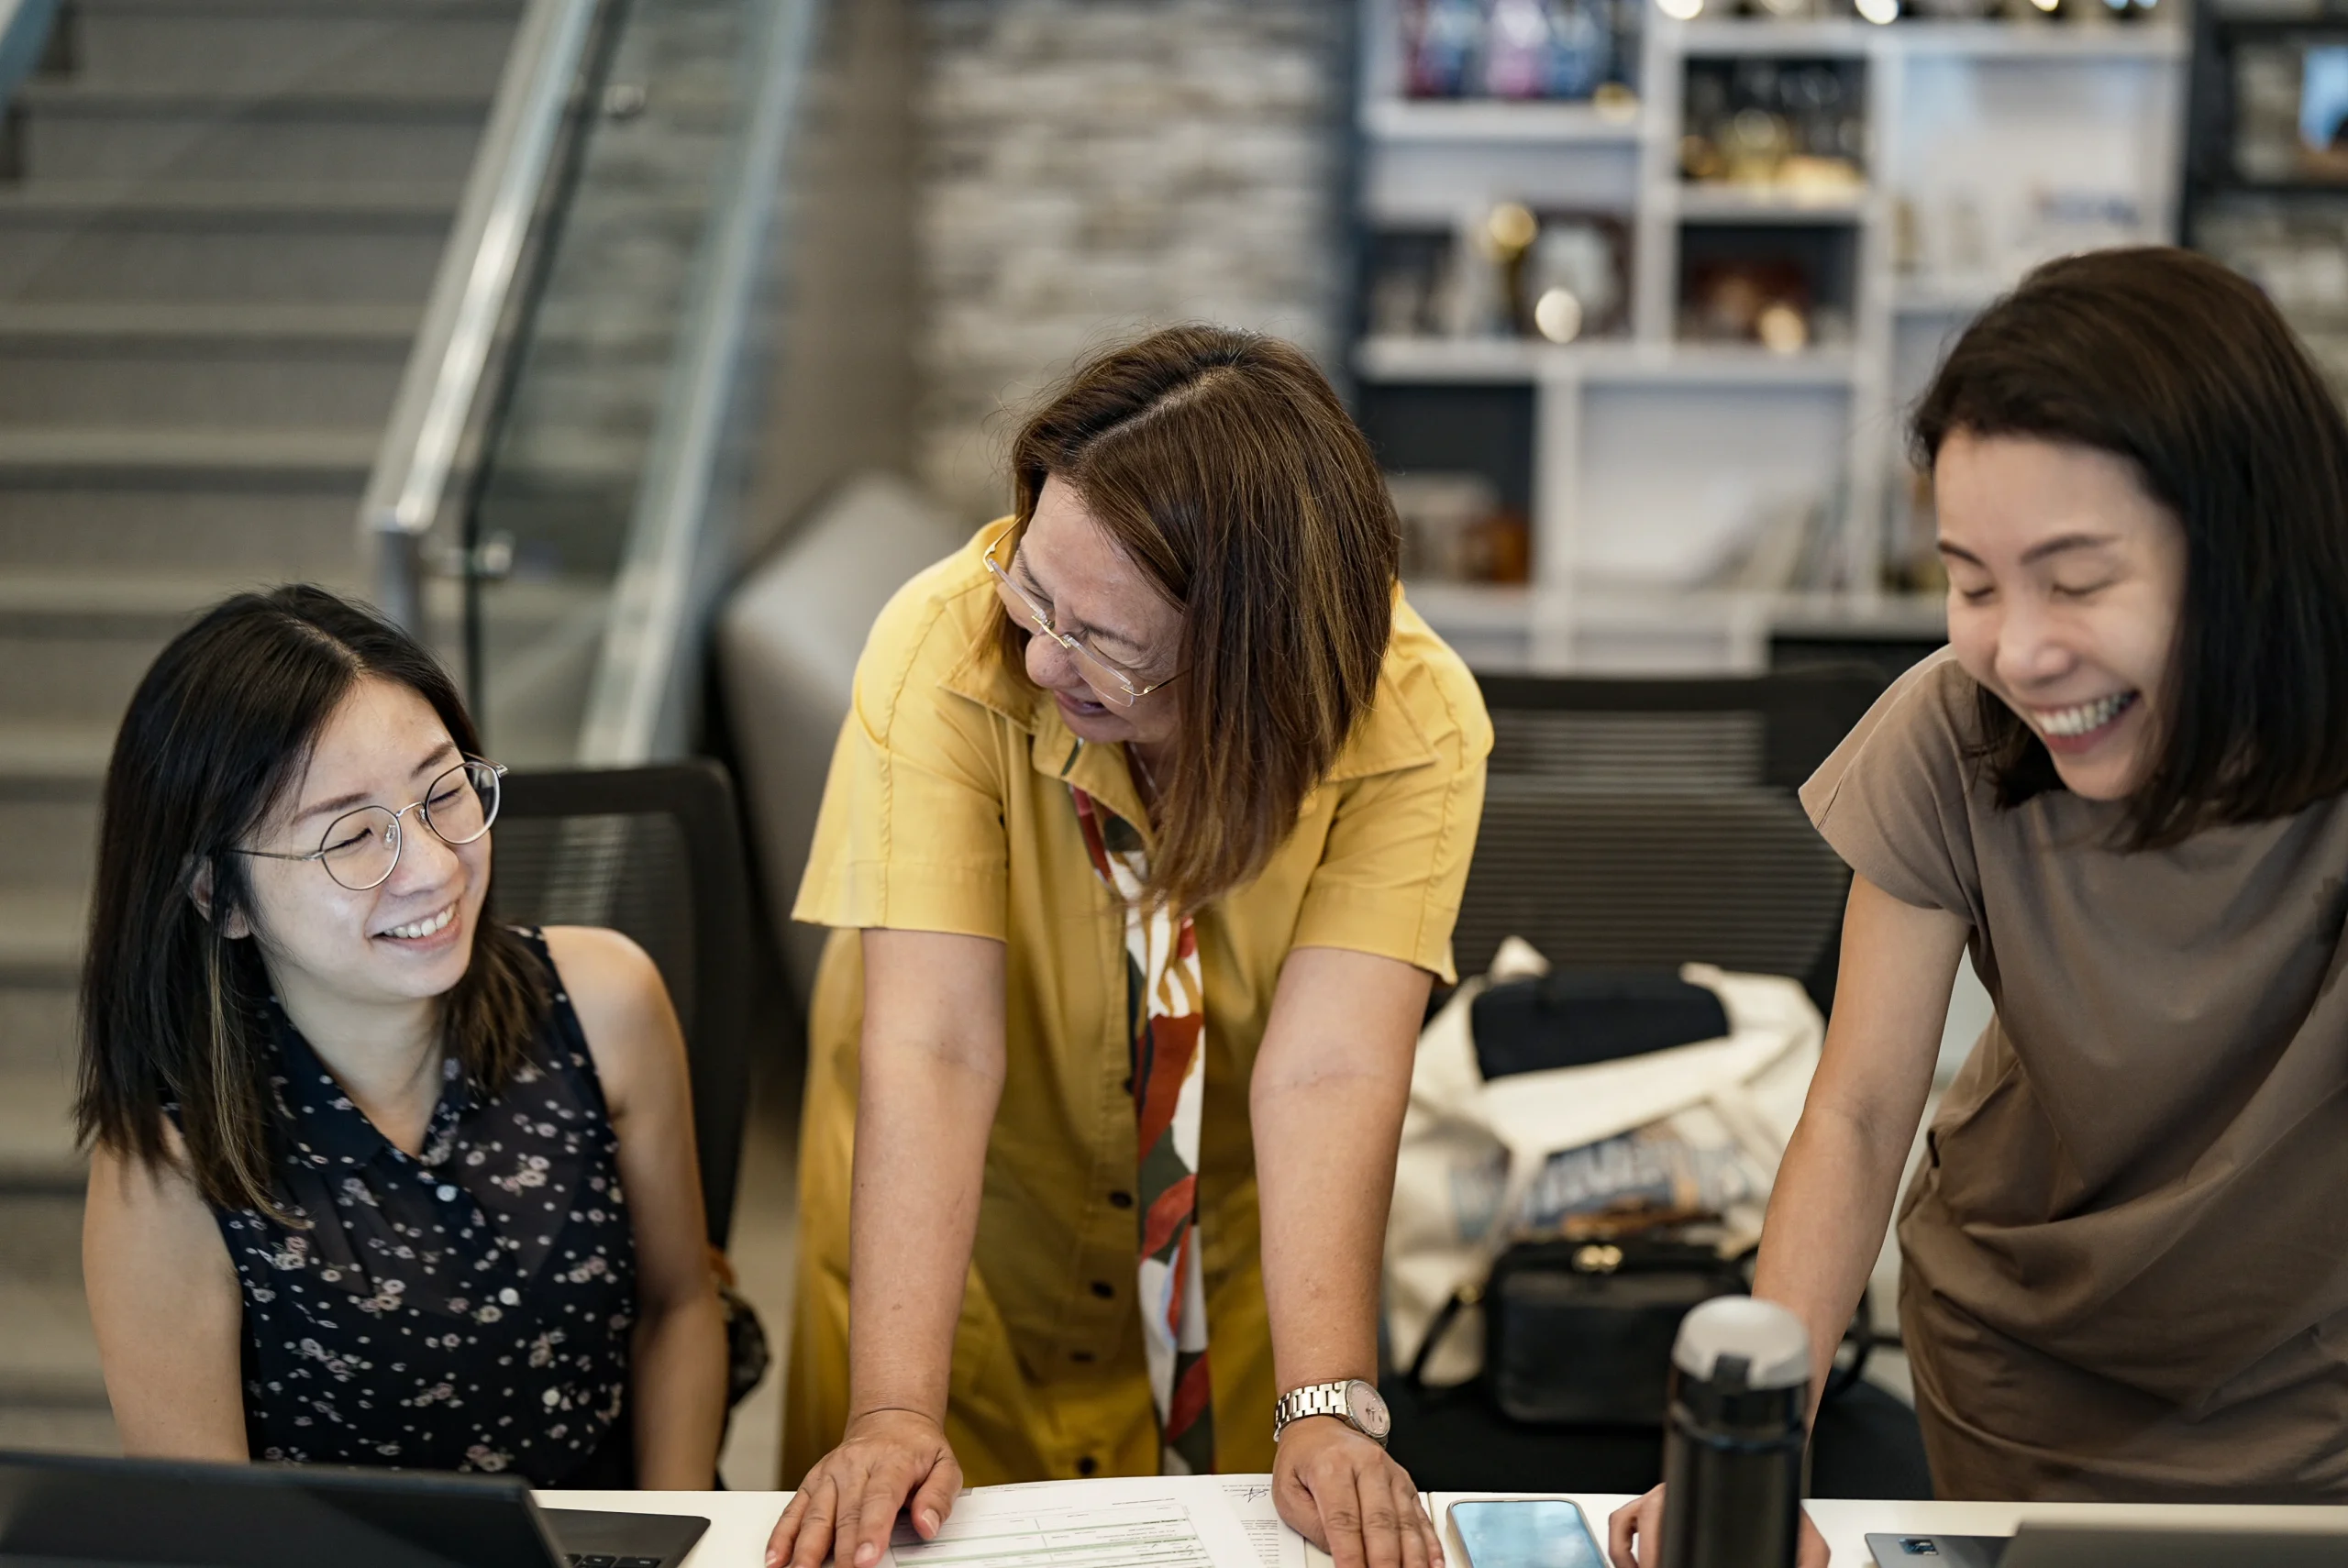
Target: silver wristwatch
(1354,1402)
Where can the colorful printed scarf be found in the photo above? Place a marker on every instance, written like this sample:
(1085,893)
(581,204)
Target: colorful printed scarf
(1166,1013)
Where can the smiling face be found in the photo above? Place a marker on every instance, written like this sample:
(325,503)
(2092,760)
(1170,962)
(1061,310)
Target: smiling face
(331,951)
(2066,584)
(1072,568)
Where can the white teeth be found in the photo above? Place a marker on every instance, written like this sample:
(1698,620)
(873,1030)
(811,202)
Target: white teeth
(2085,717)
(425,926)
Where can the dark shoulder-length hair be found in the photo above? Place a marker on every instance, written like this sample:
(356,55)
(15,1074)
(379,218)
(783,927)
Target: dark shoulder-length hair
(172,1011)
(1223,464)
(2168,359)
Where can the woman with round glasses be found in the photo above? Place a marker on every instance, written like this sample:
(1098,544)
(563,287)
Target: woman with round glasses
(1143,840)
(374,1179)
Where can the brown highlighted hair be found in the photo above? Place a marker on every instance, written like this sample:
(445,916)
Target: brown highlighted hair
(1222,463)
(173,1012)
(2168,359)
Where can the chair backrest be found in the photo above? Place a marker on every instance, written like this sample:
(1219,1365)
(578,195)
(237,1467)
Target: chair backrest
(656,853)
(1634,822)
(787,647)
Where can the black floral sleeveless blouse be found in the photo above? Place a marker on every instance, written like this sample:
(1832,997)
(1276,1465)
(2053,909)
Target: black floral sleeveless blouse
(468,1309)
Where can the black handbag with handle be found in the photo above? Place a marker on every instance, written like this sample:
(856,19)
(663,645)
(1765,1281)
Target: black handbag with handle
(1578,1332)
(1579,1321)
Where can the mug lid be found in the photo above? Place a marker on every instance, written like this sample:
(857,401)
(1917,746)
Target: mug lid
(1768,1340)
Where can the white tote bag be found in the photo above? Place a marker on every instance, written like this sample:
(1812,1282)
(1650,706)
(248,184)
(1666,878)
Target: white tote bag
(1483,1165)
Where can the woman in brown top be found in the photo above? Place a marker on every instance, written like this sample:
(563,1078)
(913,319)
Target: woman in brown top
(2126,1252)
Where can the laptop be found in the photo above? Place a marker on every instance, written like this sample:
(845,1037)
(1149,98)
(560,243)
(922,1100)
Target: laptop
(2098,1546)
(71,1511)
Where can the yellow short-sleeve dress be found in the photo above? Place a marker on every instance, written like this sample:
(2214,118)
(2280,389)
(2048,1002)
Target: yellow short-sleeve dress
(948,809)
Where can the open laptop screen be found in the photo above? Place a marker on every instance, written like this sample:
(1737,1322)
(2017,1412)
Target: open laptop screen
(169,1514)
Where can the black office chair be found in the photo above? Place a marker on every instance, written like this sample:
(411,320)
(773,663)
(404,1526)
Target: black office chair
(1643,822)
(656,853)
(1632,822)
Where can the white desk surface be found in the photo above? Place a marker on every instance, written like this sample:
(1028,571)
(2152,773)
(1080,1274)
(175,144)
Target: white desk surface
(739,1521)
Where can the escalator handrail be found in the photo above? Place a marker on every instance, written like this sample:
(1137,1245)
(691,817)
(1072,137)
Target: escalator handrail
(676,550)
(449,374)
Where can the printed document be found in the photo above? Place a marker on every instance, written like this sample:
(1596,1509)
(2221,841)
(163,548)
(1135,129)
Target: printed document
(1277,1546)
(1154,1522)
(1159,1521)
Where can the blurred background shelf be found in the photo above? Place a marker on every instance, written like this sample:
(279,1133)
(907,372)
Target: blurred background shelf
(2086,38)
(1505,360)
(1472,121)
(1648,374)
(1764,203)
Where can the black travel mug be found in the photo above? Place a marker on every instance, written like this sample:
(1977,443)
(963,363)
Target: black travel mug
(1732,1453)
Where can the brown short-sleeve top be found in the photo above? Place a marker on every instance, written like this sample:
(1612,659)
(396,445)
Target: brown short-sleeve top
(2126,1252)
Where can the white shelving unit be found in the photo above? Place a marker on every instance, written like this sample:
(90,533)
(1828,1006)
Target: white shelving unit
(1986,144)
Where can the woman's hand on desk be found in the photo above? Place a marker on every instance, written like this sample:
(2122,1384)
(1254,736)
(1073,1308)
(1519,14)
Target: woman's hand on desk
(850,1499)
(1642,1520)
(1346,1495)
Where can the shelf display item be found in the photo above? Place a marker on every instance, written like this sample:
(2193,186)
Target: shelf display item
(1558,277)
(1558,50)
(1574,281)
(1786,544)
(1791,124)
(1480,299)
(2290,119)
(1410,283)
(1443,43)
(2029,11)
(1454,529)
(1942,234)
(1755,299)
(2266,161)
(2062,220)
(1785,289)
(2297,252)
(1954,234)
(1911,555)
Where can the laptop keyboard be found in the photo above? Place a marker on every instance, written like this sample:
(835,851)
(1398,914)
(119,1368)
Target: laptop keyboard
(598,1559)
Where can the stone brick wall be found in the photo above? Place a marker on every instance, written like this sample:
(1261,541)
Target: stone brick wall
(1088,169)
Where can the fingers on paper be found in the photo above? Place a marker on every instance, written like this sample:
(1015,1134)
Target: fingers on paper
(1422,1547)
(1384,1517)
(865,1529)
(933,1499)
(808,1539)
(1338,1498)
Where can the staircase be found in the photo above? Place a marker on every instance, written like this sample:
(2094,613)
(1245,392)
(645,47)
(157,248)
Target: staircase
(216,248)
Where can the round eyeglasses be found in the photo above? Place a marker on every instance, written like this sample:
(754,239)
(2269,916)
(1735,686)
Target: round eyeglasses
(1109,682)
(360,849)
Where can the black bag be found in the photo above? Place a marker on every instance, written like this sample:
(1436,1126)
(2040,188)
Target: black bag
(1573,1018)
(1578,1333)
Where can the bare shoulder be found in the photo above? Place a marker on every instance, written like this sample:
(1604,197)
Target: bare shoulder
(128,1178)
(148,1208)
(602,966)
(621,1003)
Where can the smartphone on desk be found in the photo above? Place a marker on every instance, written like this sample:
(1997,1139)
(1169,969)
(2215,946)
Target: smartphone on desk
(1527,1532)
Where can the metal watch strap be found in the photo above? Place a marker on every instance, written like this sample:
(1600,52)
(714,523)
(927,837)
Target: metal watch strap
(1313,1400)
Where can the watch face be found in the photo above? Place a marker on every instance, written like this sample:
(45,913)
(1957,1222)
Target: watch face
(1367,1408)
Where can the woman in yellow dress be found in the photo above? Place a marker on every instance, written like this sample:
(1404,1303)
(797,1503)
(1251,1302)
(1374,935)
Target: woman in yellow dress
(1142,842)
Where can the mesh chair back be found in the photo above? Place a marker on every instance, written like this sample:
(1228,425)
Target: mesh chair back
(655,853)
(1630,824)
